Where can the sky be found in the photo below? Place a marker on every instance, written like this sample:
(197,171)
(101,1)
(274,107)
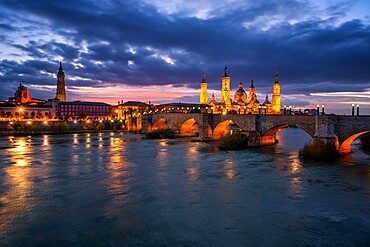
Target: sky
(155,50)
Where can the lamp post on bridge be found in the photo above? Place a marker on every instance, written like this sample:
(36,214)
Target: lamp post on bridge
(323,110)
(317,109)
(290,110)
(358,110)
(353,109)
(284,109)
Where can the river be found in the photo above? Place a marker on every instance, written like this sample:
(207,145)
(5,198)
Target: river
(114,189)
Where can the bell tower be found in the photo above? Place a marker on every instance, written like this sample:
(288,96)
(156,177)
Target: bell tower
(61,85)
(225,90)
(203,99)
(252,91)
(276,100)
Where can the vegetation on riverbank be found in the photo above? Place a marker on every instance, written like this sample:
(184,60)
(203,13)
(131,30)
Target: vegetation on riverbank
(43,127)
(36,128)
(233,141)
(102,125)
(160,134)
(318,150)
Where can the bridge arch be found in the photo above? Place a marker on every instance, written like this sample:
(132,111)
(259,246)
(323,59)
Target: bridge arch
(189,127)
(345,147)
(269,137)
(160,123)
(223,128)
(272,131)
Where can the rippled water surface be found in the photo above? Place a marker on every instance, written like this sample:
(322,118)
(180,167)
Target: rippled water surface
(114,189)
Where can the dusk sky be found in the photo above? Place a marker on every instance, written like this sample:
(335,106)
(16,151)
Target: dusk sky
(154,50)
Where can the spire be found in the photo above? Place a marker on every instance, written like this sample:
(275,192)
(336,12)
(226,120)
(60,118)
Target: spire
(267,100)
(204,78)
(252,86)
(276,77)
(226,71)
(60,66)
(213,96)
(240,85)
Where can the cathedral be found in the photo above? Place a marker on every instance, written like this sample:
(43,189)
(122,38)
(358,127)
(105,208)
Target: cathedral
(243,102)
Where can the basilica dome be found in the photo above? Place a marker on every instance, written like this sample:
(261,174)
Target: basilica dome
(240,94)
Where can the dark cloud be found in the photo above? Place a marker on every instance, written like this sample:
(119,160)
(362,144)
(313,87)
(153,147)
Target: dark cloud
(134,43)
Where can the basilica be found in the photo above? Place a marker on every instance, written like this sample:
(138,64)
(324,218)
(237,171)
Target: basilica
(243,102)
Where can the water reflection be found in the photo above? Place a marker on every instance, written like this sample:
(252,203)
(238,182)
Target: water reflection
(162,153)
(295,165)
(46,141)
(160,192)
(75,139)
(17,183)
(296,189)
(229,171)
(120,172)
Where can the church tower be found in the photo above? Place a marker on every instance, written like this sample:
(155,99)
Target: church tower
(61,85)
(225,90)
(252,91)
(276,100)
(203,99)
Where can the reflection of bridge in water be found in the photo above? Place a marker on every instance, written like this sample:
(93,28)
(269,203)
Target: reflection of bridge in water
(261,129)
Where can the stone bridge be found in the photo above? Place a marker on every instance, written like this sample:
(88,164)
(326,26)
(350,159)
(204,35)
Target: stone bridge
(261,129)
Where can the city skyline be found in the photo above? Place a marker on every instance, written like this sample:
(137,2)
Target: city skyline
(156,51)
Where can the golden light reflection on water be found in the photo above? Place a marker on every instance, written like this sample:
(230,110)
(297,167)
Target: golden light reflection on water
(229,171)
(120,171)
(193,173)
(162,153)
(296,189)
(45,140)
(18,183)
(192,154)
(295,166)
(75,138)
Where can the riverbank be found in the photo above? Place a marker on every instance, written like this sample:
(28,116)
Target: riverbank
(49,132)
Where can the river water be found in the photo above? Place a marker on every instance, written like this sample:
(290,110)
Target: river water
(113,189)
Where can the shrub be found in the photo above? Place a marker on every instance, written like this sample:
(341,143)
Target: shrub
(23,128)
(160,134)
(60,128)
(233,141)
(318,150)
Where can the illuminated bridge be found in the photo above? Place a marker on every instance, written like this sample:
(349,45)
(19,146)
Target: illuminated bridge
(261,129)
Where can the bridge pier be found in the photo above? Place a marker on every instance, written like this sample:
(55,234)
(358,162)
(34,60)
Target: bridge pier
(205,131)
(268,140)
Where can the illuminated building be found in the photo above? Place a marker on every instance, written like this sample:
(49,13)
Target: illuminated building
(225,89)
(203,90)
(276,100)
(130,113)
(23,96)
(61,85)
(244,103)
(84,109)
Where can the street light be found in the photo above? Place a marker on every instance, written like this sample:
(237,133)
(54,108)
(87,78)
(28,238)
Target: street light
(323,110)
(353,109)
(358,110)
(317,109)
